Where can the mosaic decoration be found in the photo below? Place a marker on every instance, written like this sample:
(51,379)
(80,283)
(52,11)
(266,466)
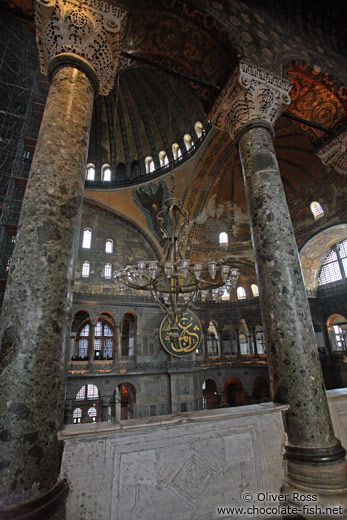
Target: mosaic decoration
(317,99)
(150,199)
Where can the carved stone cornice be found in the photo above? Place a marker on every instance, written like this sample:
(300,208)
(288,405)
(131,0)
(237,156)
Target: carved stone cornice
(334,153)
(250,94)
(91,30)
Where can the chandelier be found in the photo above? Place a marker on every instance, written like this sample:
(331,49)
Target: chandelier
(175,282)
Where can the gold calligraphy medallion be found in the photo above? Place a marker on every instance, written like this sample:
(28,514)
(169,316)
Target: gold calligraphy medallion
(190,334)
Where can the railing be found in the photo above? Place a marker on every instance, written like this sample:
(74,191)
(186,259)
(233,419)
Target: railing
(145,177)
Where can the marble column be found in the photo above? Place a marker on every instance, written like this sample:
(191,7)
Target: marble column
(254,333)
(221,344)
(34,328)
(248,107)
(238,346)
(115,354)
(91,340)
(105,403)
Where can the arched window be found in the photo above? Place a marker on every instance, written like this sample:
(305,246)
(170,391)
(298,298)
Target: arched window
(128,335)
(199,129)
(106,173)
(176,151)
(188,141)
(340,337)
(149,164)
(335,266)
(87,392)
(163,159)
(85,269)
(223,239)
(316,209)
(255,290)
(77,415)
(109,246)
(92,413)
(103,341)
(108,271)
(87,238)
(83,339)
(241,293)
(135,169)
(90,172)
(121,171)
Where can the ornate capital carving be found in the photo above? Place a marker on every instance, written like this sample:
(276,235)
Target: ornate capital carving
(334,153)
(92,30)
(250,94)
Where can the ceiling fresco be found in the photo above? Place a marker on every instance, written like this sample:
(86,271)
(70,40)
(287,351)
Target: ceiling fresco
(317,99)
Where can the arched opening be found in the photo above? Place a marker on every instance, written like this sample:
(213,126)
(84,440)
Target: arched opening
(135,169)
(241,293)
(334,267)
(176,151)
(261,391)
(188,141)
(125,398)
(128,335)
(199,129)
(212,340)
(106,173)
(234,393)
(121,171)
(255,290)
(85,269)
(259,334)
(90,172)
(87,398)
(149,164)
(337,329)
(87,238)
(223,239)
(209,395)
(317,210)
(163,159)
(103,341)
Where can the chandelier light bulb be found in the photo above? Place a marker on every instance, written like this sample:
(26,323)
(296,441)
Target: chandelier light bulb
(225,272)
(168,269)
(197,270)
(212,269)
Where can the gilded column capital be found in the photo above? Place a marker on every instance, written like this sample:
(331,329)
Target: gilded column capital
(90,32)
(250,95)
(334,153)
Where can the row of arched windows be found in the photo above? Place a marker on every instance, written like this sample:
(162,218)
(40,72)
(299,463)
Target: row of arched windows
(87,241)
(107,270)
(101,337)
(148,162)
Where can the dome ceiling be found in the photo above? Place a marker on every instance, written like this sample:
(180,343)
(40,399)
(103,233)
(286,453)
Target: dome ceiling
(147,111)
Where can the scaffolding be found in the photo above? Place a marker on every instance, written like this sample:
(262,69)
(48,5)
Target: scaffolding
(23,95)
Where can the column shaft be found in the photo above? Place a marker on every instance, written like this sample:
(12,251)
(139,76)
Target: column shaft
(34,332)
(295,371)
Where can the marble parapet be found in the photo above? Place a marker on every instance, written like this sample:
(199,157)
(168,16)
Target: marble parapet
(182,465)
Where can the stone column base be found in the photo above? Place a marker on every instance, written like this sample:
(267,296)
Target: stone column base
(318,491)
(50,506)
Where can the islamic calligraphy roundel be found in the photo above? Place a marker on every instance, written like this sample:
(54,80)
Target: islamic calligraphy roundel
(190,334)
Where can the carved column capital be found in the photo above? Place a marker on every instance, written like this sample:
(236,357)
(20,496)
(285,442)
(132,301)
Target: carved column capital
(90,32)
(334,153)
(250,95)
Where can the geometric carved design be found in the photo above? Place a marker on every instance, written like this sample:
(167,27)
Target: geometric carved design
(91,29)
(334,153)
(250,93)
(191,479)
